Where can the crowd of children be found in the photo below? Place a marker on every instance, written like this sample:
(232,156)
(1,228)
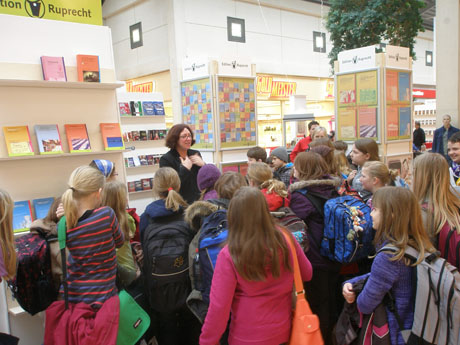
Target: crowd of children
(249,301)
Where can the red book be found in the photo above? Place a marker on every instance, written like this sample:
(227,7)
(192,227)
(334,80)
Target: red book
(88,68)
(53,68)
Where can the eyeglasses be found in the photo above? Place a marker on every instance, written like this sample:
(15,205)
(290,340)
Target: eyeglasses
(186,136)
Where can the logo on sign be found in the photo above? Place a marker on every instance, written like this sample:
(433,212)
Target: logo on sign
(355,59)
(35,9)
(234,64)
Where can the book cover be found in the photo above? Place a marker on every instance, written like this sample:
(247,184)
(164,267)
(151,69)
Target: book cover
(143,135)
(22,216)
(138,186)
(111,136)
(149,159)
(125,110)
(49,139)
(131,187)
(88,68)
(131,162)
(146,184)
(53,68)
(18,141)
(136,108)
(77,138)
(159,108)
(148,108)
(136,161)
(42,206)
(143,160)
(135,136)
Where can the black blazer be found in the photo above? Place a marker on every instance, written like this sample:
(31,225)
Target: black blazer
(188,178)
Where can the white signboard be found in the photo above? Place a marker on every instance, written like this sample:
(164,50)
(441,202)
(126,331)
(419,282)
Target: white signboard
(397,57)
(357,59)
(193,68)
(234,67)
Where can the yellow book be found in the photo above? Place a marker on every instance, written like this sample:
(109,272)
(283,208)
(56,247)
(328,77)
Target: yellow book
(18,141)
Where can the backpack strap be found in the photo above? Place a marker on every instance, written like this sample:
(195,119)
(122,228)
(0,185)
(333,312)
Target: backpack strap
(457,259)
(62,236)
(447,243)
(317,200)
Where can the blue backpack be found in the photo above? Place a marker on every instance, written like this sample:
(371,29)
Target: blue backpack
(342,240)
(213,236)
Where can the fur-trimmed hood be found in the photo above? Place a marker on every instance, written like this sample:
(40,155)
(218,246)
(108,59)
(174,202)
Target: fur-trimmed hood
(197,211)
(333,182)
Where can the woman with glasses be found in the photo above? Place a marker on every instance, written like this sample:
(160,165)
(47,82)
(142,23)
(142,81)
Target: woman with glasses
(184,160)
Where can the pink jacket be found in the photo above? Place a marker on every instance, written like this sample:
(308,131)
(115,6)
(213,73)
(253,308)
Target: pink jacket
(81,324)
(261,311)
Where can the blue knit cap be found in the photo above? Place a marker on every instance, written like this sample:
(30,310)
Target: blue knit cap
(104,166)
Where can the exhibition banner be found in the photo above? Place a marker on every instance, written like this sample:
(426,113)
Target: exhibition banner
(234,67)
(366,85)
(356,59)
(392,86)
(392,122)
(82,11)
(347,123)
(367,121)
(346,90)
(193,68)
(397,57)
(196,99)
(237,112)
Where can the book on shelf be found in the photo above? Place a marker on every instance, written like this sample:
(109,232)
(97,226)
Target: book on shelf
(131,187)
(49,139)
(143,135)
(88,68)
(136,108)
(143,160)
(17,140)
(42,206)
(138,186)
(159,108)
(125,110)
(111,136)
(53,68)
(148,108)
(136,161)
(146,184)
(22,216)
(77,138)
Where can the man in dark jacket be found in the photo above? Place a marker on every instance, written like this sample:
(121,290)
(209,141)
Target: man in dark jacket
(442,135)
(419,136)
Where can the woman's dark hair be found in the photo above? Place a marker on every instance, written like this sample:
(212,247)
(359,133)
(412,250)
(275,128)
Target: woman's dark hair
(173,135)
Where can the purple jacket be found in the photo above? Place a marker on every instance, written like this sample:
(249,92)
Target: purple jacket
(304,209)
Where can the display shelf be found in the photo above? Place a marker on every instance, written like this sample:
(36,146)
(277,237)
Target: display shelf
(156,166)
(58,84)
(140,191)
(60,155)
(159,118)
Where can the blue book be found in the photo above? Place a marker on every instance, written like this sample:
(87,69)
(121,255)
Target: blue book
(148,107)
(42,206)
(49,139)
(22,216)
(159,108)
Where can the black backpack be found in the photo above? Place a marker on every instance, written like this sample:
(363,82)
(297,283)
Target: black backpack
(33,286)
(165,243)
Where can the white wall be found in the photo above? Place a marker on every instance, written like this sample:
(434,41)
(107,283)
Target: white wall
(424,75)
(153,56)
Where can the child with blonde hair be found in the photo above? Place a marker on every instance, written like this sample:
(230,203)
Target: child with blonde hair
(440,204)
(375,175)
(165,238)
(92,235)
(7,248)
(115,195)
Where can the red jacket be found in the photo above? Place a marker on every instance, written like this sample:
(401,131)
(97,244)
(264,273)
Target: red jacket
(301,146)
(81,324)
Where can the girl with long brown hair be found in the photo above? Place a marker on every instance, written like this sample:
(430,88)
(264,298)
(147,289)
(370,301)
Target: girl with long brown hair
(253,277)
(440,203)
(398,222)
(8,253)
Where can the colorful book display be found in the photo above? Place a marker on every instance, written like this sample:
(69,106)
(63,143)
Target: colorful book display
(88,68)
(49,139)
(140,185)
(53,68)
(159,108)
(144,135)
(42,206)
(77,138)
(18,141)
(142,160)
(111,136)
(22,216)
(125,109)
(148,108)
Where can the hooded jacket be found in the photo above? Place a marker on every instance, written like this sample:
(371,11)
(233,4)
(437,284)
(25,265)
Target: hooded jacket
(154,210)
(306,211)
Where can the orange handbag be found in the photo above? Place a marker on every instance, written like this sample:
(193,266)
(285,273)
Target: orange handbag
(305,325)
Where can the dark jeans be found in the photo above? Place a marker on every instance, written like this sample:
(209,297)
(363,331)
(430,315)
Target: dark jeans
(321,294)
(178,328)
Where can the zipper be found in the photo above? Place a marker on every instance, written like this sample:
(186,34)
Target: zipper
(169,274)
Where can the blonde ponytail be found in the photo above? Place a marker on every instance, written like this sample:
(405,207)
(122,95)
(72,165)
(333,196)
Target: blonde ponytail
(6,234)
(166,185)
(275,186)
(83,181)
